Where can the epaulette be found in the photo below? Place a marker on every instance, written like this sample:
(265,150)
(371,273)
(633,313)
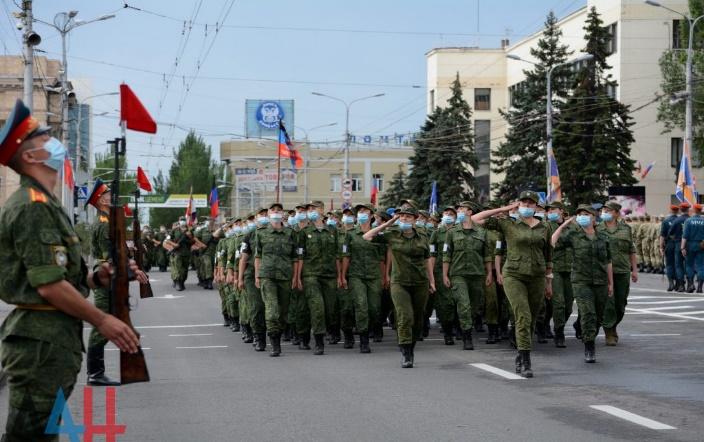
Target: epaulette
(37,196)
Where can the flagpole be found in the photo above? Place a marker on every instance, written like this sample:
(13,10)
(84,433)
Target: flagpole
(278,170)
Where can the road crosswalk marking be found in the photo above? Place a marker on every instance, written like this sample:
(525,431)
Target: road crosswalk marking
(498,371)
(632,417)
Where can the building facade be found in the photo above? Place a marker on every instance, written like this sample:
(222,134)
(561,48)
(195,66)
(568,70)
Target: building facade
(641,33)
(252,167)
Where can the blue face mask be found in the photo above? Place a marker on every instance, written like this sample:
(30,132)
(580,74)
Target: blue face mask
(332,223)
(313,216)
(540,215)
(553,216)
(229,233)
(57,154)
(526,212)
(606,216)
(251,226)
(404,227)
(448,220)
(461,217)
(291,220)
(397,222)
(420,223)
(348,219)
(584,220)
(513,215)
(301,216)
(429,225)
(263,220)
(363,218)
(237,230)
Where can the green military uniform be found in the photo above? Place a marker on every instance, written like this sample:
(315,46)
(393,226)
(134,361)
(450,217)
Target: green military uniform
(364,278)
(100,250)
(317,248)
(592,255)
(161,259)
(236,302)
(150,255)
(344,312)
(181,256)
(562,292)
(221,264)
(637,240)
(444,305)
(276,250)
(467,250)
(491,296)
(41,346)
(298,313)
(621,247)
(646,244)
(207,257)
(254,301)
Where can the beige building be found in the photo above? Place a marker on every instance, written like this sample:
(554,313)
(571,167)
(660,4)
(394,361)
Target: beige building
(253,165)
(47,104)
(642,33)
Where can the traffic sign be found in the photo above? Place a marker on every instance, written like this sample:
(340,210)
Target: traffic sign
(347,183)
(346,195)
(82,192)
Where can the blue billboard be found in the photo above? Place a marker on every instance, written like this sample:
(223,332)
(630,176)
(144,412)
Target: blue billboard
(262,118)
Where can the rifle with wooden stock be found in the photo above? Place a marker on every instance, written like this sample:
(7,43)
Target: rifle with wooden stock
(133,367)
(145,289)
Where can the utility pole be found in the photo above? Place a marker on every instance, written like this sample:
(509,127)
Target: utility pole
(30,39)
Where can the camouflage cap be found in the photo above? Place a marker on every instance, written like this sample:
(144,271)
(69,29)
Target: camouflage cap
(407,211)
(613,205)
(261,209)
(301,206)
(555,205)
(383,214)
(450,208)
(529,195)
(363,206)
(316,204)
(409,202)
(585,207)
(424,213)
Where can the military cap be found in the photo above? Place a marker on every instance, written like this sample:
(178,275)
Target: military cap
(555,205)
(279,205)
(474,207)
(291,211)
(349,210)
(317,204)
(685,205)
(383,214)
(674,208)
(99,188)
(251,215)
(19,126)
(410,202)
(450,208)
(301,206)
(261,209)
(435,216)
(236,220)
(408,211)
(363,206)
(424,213)
(587,208)
(613,205)
(698,207)
(529,195)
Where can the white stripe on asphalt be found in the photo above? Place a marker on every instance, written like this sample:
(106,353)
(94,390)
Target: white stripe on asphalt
(193,334)
(631,417)
(671,315)
(677,307)
(180,326)
(694,313)
(675,301)
(497,371)
(656,334)
(207,346)
(116,349)
(664,321)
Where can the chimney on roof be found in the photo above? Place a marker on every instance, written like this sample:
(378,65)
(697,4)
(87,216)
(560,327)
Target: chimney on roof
(504,43)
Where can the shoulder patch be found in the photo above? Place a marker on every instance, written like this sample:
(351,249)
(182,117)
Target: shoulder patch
(103,219)
(37,196)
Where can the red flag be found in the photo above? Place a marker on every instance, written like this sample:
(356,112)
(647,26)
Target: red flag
(375,192)
(191,210)
(133,113)
(128,211)
(143,180)
(68,174)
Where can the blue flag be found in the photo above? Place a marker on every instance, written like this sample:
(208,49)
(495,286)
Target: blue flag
(434,198)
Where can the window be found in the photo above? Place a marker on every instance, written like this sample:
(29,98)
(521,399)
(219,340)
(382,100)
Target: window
(431,101)
(335,183)
(611,91)
(482,99)
(675,152)
(357,182)
(677,34)
(378,181)
(611,43)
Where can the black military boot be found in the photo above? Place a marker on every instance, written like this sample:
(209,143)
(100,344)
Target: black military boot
(225,320)
(349,339)
(503,334)
(670,284)
(236,325)
(589,352)
(364,343)
(479,324)
(540,331)
(527,371)
(577,328)
(275,345)
(560,337)
(467,343)
(491,338)
(247,334)
(319,345)
(449,338)
(287,334)
(406,361)
(426,327)
(378,333)
(295,339)
(690,285)
(519,362)
(699,285)
(95,365)
(179,286)
(260,342)
(413,350)
(680,286)
(548,331)
(208,284)
(304,343)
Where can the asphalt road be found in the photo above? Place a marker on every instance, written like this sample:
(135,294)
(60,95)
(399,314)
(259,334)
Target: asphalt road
(209,386)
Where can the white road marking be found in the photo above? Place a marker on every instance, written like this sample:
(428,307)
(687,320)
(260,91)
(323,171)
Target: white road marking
(631,417)
(193,334)
(180,326)
(671,315)
(664,321)
(167,296)
(694,313)
(117,349)
(656,334)
(207,346)
(673,301)
(498,371)
(677,307)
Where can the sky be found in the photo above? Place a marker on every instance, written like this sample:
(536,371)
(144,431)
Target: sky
(275,49)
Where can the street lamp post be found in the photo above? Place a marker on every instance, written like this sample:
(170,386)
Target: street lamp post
(306,163)
(347,125)
(78,129)
(548,107)
(689,90)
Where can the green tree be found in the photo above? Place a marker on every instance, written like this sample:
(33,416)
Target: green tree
(444,152)
(105,170)
(592,136)
(192,168)
(672,67)
(396,190)
(521,157)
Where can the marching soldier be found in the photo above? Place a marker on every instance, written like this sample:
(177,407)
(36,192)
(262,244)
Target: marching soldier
(181,255)
(562,294)
(676,235)
(246,277)
(161,255)
(444,305)
(692,236)
(668,246)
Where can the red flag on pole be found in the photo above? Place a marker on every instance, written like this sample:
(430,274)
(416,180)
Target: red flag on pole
(191,214)
(128,211)
(133,113)
(68,174)
(143,180)
(375,192)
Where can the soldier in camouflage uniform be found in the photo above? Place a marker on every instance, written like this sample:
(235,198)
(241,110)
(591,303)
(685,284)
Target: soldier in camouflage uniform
(646,245)
(562,293)
(444,305)
(246,280)
(161,257)
(207,256)
(344,304)
(275,257)
(635,231)
(43,277)
(181,255)
(220,275)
